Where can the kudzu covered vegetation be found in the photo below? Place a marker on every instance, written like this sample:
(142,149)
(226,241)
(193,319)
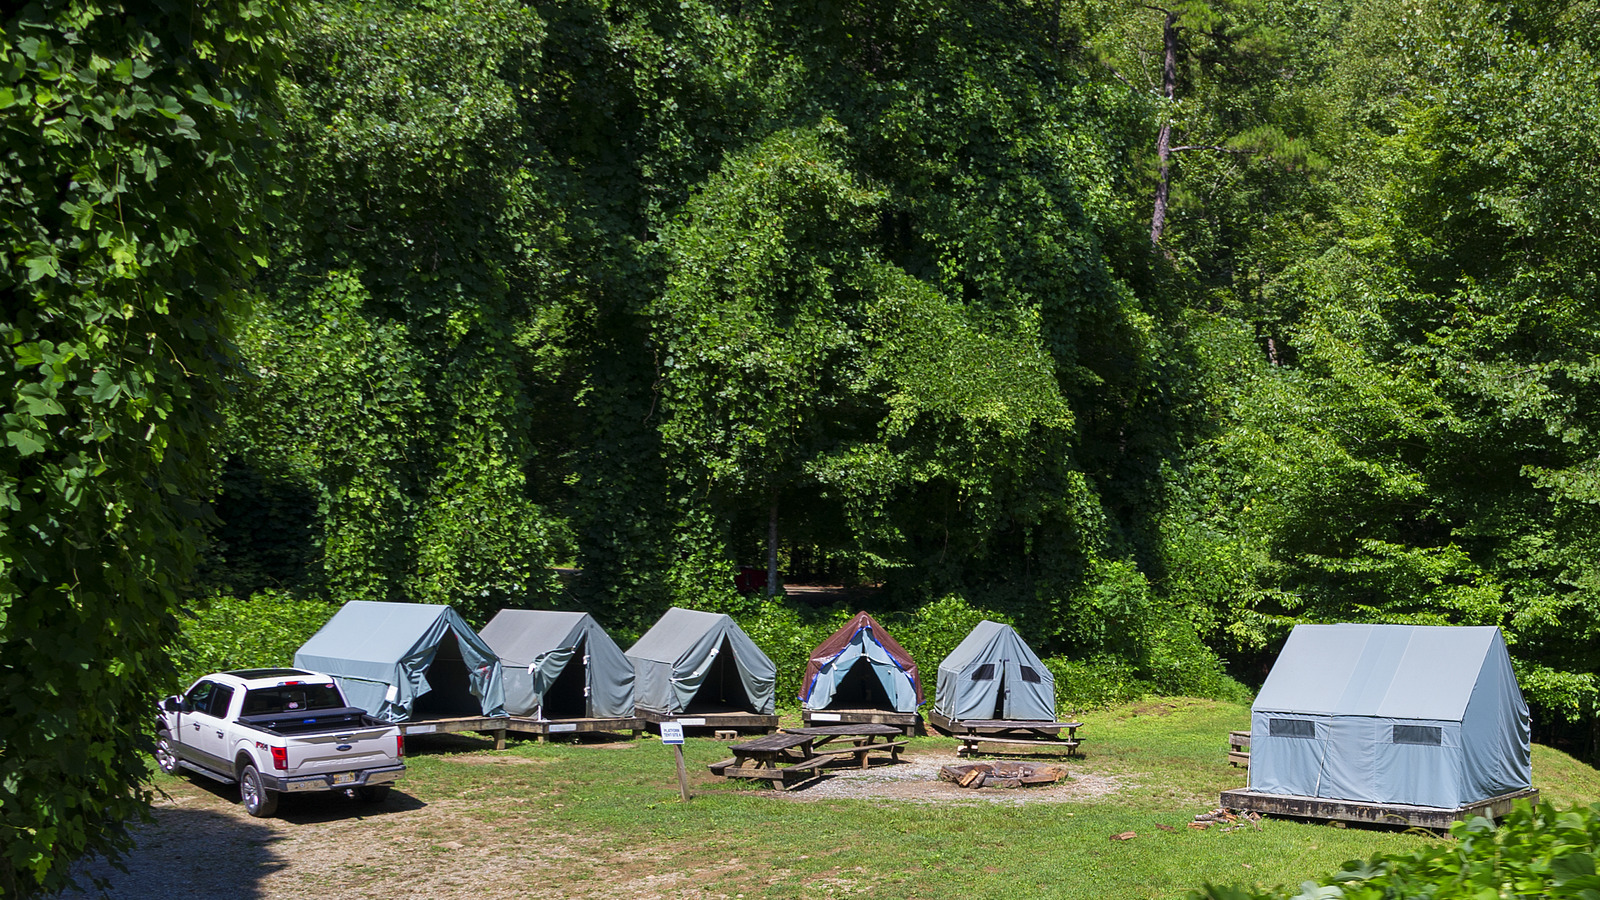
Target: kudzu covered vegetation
(1151,328)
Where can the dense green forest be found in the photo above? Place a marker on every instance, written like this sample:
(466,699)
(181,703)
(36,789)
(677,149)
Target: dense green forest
(1154,329)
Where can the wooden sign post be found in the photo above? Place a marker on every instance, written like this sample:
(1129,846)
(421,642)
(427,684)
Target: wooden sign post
(672,733)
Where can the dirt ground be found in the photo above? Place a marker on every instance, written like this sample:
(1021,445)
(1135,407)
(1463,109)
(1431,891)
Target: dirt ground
(202,844)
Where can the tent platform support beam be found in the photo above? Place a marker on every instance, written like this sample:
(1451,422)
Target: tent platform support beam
(909,723)
(1372,813)
(489,726)
(549,728)
(735,720)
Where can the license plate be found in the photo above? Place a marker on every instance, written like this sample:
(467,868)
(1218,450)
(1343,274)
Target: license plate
(344,778)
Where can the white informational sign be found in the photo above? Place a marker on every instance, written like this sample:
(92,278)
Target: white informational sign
(671,732)
(691,721)
(559,728)
(825,717)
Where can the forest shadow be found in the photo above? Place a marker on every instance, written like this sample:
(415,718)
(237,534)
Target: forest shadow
(187,853)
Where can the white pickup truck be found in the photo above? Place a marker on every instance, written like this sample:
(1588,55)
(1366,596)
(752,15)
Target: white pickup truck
(277,730)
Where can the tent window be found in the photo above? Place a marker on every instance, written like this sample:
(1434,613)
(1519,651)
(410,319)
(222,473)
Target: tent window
(1295,728)
(1426,735)
(984,672)
(1029,675)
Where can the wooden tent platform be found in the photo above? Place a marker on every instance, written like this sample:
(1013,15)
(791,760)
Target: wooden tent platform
(720,720)
(1027,732)
(489,726)
(543,729)
(1372,813)
(908,723)
(498,726)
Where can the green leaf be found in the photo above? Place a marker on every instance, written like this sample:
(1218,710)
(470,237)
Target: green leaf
(27,442)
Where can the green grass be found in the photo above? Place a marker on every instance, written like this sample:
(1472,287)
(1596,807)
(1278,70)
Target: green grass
(743,839)
(612,821)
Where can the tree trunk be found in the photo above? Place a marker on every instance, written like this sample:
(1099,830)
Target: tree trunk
(1169,88)
(772,548)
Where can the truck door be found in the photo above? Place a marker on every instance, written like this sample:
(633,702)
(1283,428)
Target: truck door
(186,733)
(200,731)
(213,734)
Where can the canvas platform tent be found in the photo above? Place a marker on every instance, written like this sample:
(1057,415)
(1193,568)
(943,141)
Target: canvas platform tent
(560,665)
(405,661)
(1391,714)
(994,674)
(861,667)
(700,663)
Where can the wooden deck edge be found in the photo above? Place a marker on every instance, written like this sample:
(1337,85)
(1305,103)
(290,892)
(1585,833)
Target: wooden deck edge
(858,717)
(520,725)
(712,720)
(454,725)
(1372,813)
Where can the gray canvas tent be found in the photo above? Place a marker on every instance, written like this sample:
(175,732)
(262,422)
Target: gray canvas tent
(1401,714)
(560,665)
(404,661)
(994,674)
(691,662)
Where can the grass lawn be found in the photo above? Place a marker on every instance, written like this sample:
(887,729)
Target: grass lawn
(610,816)
(604,821)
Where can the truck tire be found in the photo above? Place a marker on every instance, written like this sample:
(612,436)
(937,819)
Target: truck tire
(372,793)
(258,801)
(166,759)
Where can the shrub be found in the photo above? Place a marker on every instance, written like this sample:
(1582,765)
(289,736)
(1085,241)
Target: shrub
(1534,853)
(1097,682)
(262,630)
(784,635)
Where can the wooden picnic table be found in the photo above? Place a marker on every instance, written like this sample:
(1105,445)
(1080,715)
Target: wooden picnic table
(798,755)
(861,738)
(1046,733)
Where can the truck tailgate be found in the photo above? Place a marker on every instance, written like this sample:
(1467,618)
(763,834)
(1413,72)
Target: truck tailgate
(358,749)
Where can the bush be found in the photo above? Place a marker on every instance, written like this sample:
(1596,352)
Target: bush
(1094,683)
(787,639)
(260,631)
(1534,853)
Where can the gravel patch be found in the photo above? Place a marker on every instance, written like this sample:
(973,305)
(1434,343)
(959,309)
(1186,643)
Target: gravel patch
(916,780)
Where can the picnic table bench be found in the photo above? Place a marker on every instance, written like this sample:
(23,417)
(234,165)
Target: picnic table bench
(971,732)
(797,756)
(1239,748)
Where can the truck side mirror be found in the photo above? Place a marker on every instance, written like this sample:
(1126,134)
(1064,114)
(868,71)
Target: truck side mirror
(171,704)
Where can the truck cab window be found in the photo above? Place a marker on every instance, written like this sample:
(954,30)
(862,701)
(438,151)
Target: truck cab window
(291,698)
(221,697)
(199,698)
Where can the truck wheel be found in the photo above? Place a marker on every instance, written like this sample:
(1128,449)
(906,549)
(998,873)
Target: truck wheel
(372,793)
(258,801)
(165,758)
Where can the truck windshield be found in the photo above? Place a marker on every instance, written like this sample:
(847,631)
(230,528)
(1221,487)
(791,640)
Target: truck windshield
(291,698)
